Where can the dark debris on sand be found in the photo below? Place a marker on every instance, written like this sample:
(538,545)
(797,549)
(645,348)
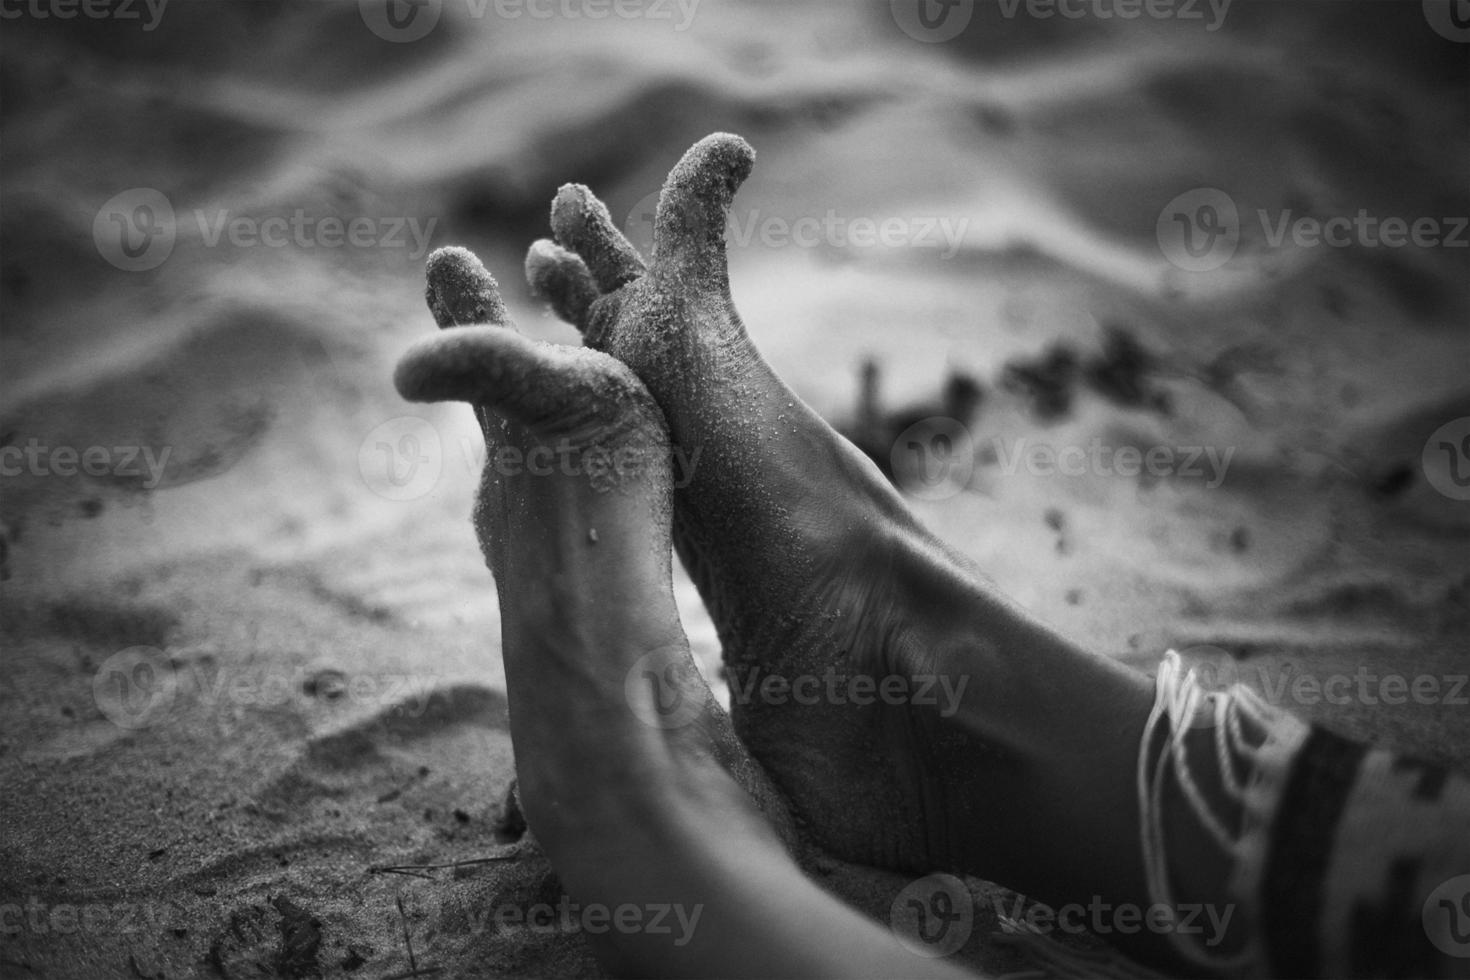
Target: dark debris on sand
(301,940)
(875,430)
(249,947)
(1123,372)
(1046,382)
(509,825)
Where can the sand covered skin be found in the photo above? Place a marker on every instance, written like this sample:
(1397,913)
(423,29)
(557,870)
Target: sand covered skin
(336,698)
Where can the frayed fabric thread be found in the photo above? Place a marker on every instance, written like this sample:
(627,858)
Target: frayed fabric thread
(1242,724)
(1333,846)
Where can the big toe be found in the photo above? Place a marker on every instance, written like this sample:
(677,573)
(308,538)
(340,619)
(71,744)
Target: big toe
(693,208)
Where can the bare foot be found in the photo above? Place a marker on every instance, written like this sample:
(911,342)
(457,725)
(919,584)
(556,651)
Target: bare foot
(577,482)
(642,805)
(992,734)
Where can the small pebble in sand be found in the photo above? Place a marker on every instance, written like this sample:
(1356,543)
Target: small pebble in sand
(1057,521)
(329,685)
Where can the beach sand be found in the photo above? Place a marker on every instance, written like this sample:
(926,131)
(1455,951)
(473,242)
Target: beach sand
(243,678)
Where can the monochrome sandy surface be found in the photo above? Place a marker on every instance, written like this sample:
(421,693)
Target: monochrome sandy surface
(251,651)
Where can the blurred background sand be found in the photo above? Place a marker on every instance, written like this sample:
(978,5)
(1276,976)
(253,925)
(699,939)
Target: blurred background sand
(235,682)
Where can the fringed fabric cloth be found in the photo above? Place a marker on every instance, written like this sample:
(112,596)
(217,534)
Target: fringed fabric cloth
(1348,861)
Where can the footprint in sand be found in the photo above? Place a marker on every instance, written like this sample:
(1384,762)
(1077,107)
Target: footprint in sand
(398,755)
